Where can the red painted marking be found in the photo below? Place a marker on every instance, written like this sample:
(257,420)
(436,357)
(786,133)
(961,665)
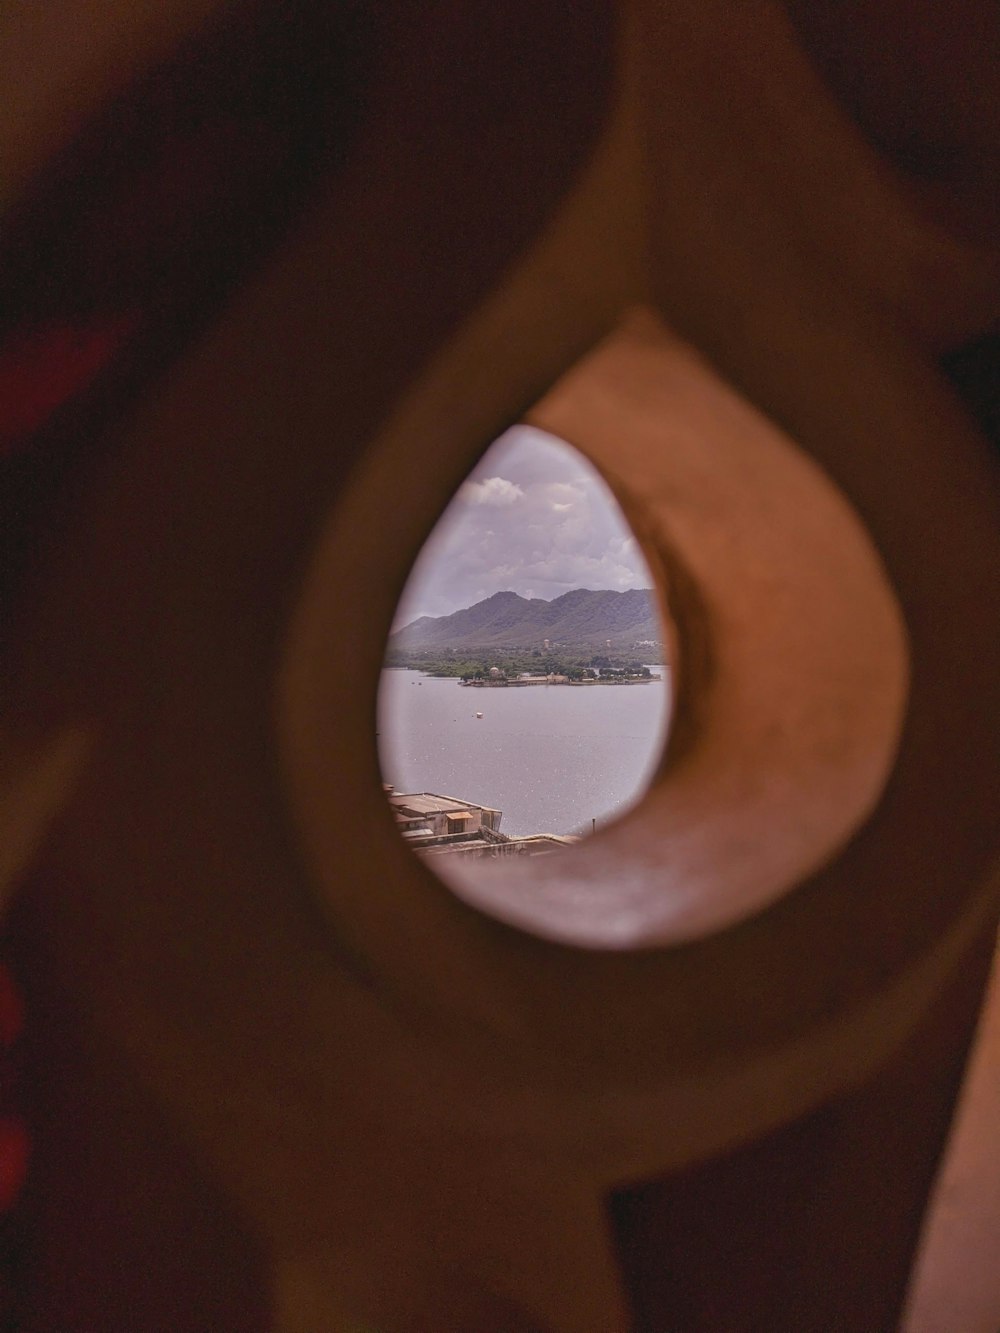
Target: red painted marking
(42,368)
(15,1149)
(11,1009)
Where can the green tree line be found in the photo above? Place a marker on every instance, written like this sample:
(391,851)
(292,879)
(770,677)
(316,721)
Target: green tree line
(477,664)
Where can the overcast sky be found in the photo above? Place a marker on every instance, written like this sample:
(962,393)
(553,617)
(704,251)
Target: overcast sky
(533,517)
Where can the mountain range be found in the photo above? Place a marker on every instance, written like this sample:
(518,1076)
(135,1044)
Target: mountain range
(583,618)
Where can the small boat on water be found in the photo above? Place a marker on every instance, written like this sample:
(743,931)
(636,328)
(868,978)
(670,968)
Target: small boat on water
(479,715)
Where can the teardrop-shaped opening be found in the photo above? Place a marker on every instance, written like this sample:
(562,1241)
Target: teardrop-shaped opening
(790,665)
(525,697)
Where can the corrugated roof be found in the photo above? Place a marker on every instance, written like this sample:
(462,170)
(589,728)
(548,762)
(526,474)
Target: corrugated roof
(428,802)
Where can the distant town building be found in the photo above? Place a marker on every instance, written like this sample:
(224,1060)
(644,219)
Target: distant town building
(433,824)
(427,815)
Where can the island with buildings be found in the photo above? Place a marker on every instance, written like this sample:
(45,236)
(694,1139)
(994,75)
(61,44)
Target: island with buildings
(628,674)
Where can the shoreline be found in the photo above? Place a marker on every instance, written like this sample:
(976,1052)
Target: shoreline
(541,680)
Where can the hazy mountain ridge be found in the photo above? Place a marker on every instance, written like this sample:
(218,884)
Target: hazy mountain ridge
(582,617)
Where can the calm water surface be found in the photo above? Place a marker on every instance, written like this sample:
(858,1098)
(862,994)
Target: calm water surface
(552,758)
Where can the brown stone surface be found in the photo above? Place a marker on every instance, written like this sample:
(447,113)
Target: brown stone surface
(956,1283)
(413,1110)
(812,1228)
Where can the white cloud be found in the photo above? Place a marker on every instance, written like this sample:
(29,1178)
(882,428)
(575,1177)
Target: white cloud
(495,491)
(533,517)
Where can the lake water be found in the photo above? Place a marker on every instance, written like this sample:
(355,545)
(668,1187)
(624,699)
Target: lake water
(551,757)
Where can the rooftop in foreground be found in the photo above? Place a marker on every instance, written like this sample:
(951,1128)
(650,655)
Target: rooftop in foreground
(429,803)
